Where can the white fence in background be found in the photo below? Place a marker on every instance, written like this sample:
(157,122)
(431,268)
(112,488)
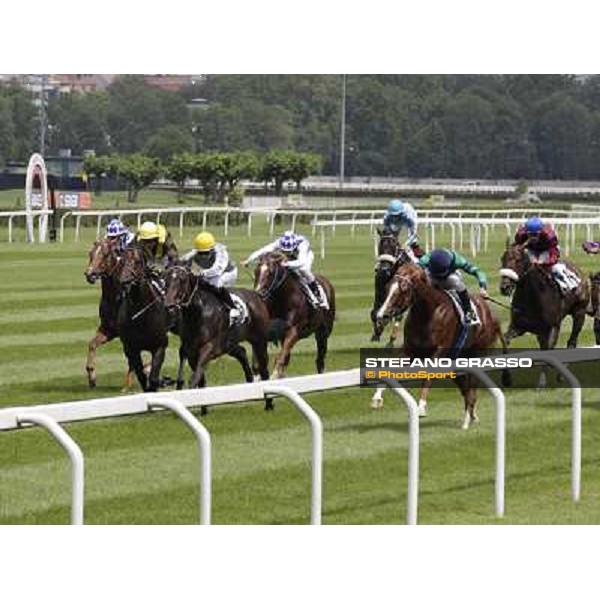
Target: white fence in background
(179,402)
(23,214)
(319,219)
(475,229)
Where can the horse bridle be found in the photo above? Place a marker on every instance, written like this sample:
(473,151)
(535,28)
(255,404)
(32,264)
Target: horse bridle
(281,275)
(188,274)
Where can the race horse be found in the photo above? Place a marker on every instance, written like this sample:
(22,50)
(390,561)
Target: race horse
(432,327)
(104,265)
(538,305)
(292,315)
(388,250)
(142,317)
(205,331)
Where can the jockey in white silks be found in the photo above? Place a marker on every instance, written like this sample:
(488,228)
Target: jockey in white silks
(211,262)
(116,229)
(299,259)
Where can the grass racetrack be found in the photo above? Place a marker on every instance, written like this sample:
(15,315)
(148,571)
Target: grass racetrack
(143,469)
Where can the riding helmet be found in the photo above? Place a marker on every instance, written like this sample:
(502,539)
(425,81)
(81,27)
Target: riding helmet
(534,225)
(288,242)
(396,207)
(440,263)
(204,242)
(115,228)
(148,231)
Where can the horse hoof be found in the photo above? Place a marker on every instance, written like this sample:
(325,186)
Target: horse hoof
(179,385)
(375,338)
(203,411)
(390,344)
(422,409)
(92,383)
(269,404)
(377,403)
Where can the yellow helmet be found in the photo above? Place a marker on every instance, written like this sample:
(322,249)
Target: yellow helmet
(148,231)
(204,241)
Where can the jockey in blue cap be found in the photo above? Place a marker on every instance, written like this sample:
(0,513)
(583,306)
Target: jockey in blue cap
(299,258)
(401,214)
(117,230)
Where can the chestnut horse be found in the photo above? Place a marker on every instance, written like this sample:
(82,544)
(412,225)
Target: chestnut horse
(292,316)
(104,265)
(432,326)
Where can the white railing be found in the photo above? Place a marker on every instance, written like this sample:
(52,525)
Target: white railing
(51,415)
(11,215)
(478,229)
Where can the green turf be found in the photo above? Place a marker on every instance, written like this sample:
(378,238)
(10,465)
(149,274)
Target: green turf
(143,469)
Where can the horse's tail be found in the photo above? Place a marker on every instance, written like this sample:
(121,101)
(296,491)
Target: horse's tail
(506,374)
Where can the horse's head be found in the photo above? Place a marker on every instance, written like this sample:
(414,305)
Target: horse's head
(514,264)
(269,274)
(408,278)
(388,245)
(179,285)
(102,260)
(134,266)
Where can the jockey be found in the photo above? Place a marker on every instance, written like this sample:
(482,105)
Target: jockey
(401,214)
(442,266)
(117,230)
(299,258)
(157,245)
(541,244)
(211,261)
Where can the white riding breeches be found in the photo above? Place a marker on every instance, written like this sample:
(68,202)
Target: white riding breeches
(226,279)
(453,282)
(305,271)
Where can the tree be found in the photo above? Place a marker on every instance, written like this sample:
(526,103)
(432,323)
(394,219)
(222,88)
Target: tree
(168,141)
(7,130)
(138,171)
(179,168)
(276,168)
(97,167)
(302,165)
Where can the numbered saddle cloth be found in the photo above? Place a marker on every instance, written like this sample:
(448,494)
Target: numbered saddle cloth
(459,311)
(566,279)
(312,299)
(242,307)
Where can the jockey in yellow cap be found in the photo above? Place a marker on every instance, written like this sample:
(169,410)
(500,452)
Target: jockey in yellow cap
(211,262)
(157,245)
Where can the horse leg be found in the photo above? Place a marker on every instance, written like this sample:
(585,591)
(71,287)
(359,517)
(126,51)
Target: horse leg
(469,395)
(578,319)
(137,366)
(198,379)
(180,370)
(546,341)
(99,339)
(158,358)
(425,388)
(597,330)
(283,359)
(377,399)
(239,353)
(393,334)
(321,335)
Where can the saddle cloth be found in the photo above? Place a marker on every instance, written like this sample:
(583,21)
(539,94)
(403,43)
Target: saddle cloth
(564,277)
(314,302)
(242,307)
(459,311)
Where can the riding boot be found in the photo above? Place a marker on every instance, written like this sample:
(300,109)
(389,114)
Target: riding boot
(224,296)
(465,303)
(315,288)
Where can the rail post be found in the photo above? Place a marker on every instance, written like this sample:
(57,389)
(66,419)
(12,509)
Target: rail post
(75,455)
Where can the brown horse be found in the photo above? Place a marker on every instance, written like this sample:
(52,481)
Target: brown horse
(142,319)
(104,265)
(292,316)
(432,326)
(538,305)
(205,331)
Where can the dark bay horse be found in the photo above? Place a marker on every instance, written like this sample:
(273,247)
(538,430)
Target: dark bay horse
(292,316)
(388,250)
(142,319)
(204,328)
(104,265)
(538,306)
(432,326)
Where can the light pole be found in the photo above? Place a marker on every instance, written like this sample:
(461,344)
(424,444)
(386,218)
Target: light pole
(44,79)
(343,133)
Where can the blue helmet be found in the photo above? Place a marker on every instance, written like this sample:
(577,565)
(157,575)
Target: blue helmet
(396,207)
(440,263)
(534,225)
(115,228)
(289,241)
